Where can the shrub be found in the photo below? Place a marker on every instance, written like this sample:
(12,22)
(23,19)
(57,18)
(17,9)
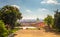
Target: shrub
(3,30)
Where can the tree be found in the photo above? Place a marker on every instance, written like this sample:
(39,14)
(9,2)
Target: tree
(38,20)
(57,20)
(3,30)
(10,14)
(48,20)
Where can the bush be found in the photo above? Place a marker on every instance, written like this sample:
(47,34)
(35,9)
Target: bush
(3,30)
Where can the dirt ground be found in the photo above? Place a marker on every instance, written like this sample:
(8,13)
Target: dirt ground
(35,33)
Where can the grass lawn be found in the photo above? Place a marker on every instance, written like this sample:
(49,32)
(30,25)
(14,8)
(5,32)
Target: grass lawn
(14,30)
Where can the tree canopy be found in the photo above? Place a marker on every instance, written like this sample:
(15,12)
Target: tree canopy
(48,20)
(57,20)
(10,14)
(3,30)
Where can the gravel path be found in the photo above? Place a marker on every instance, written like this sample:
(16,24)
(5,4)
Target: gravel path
(34,33)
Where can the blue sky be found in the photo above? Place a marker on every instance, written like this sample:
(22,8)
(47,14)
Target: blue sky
(32,9)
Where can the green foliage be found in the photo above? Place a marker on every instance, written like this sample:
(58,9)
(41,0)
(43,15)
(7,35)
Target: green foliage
(57,20)
(10,14)
(14,30)
(48,20)
(37,19)
(3,30)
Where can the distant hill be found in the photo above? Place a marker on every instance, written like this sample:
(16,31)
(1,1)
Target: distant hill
(30,20)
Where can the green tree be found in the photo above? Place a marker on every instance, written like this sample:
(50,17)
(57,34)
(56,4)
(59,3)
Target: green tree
(3,30)
(38,20)
(57,20)
(10,14)
(48,20)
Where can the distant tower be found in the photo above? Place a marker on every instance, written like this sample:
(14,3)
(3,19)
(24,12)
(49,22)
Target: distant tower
(37,20)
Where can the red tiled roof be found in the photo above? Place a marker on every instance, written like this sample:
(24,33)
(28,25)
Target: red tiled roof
(40,24)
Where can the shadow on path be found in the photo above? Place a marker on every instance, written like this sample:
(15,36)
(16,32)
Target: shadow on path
(51,30)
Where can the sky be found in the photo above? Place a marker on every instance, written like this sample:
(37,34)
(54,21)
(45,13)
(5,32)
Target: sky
(32,9)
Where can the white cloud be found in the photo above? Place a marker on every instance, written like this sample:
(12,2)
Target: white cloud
(28,11)
(38,13)
(42,9)
(44,12)
(16,6)
(29,17)
(50,2)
